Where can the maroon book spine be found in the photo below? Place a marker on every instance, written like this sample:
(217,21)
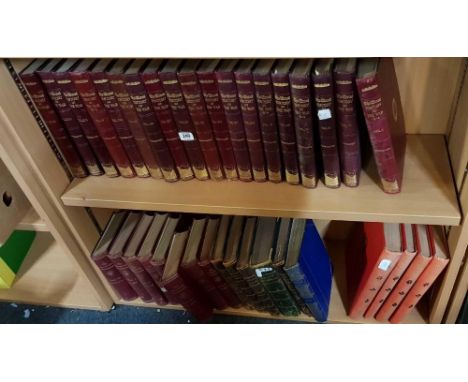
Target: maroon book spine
(248,105)
(268,126)
(96,110)
(156,271)
(66,114)
(109,100)
(54,124)
(184,124)
(325,106)
(301,92)
(115,278)
(348,128)
(228,92)
(285,120)
(201,122)
(143,108)
(123,98)
(163,113)
(229,296)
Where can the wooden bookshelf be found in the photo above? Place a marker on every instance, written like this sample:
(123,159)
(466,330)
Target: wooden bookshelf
(32,222)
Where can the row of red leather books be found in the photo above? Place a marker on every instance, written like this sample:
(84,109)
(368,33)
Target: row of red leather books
(293,120)
(391,267)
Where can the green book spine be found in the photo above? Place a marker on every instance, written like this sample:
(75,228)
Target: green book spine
(264,302)
(293,291)
(238,285)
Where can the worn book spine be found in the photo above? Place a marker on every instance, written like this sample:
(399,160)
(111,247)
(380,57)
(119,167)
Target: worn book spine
(128,275)
(207,81)
(238,285)
(97,112)
(184,124)
(228,294)
(285,120)
(262,300)
(292,290)
(201,122)
(55,126)
(228,92)
(155,270)
(109,100)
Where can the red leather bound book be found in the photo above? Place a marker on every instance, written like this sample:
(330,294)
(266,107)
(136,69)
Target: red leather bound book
(49,78)
(45,107)
(228,92)
(84,85)
(380,99)
(109,100)
(142,105)
(302,99)
(267,118)
(158,98)
(325,105)
(281,91)
(248,105)
(347,123)
(207,80)
(201,120)
(116,80)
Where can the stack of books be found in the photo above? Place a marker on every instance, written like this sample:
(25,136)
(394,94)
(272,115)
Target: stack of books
(274,265)
(293,120)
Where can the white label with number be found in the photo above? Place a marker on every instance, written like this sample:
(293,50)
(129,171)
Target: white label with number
(186,136)
(324,114)
(259,271)
(384,264)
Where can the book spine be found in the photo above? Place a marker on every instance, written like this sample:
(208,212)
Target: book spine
(263,301)
(54,124)
(115,278)
(268,126)
(103,124)
(301,94)
(146,280)
(325,106)
(109,100)
(248,105)
(285,120)
(228,93)
(348,128)
(238,285)
(155,271)
(123,98)
(128,275)
(293,291)
(185,128)
(214,107)
(201,122)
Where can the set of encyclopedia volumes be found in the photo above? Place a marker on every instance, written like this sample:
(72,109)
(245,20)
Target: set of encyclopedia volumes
(293,120)
(275,265)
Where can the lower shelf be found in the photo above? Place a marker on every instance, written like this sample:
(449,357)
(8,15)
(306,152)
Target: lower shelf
(32,222)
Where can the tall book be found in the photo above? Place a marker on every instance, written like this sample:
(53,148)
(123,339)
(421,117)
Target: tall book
(325,105)
(284,115)
(380,99)
(302,101)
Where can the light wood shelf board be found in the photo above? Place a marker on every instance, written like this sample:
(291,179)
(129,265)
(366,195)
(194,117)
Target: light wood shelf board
(32,222)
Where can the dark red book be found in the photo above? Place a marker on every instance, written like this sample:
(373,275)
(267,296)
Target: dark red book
(161,108)
(380,99)
(228,92)
(207,80)
(248,105)
(302,97)
(116,80)
(325,106)
(347,120)
(201,120)
(142,104)
(55,126)
(284,115)
(109,100)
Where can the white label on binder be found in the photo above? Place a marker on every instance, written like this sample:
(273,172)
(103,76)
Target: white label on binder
(384,264)
(259,271)
(324,114)
(186,136)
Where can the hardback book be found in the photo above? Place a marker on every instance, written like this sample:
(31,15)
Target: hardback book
(46,109)
(325,106)
(439,261)
(185,128)
(380,99)
(100,256)
(117,82)
(267,118)
(144,110)
(302,101)
(383,249)
(248,105)
(228,93)
(201,120)
(163,112)
(111,105)
(285,119)
(207,80)
(346,98)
